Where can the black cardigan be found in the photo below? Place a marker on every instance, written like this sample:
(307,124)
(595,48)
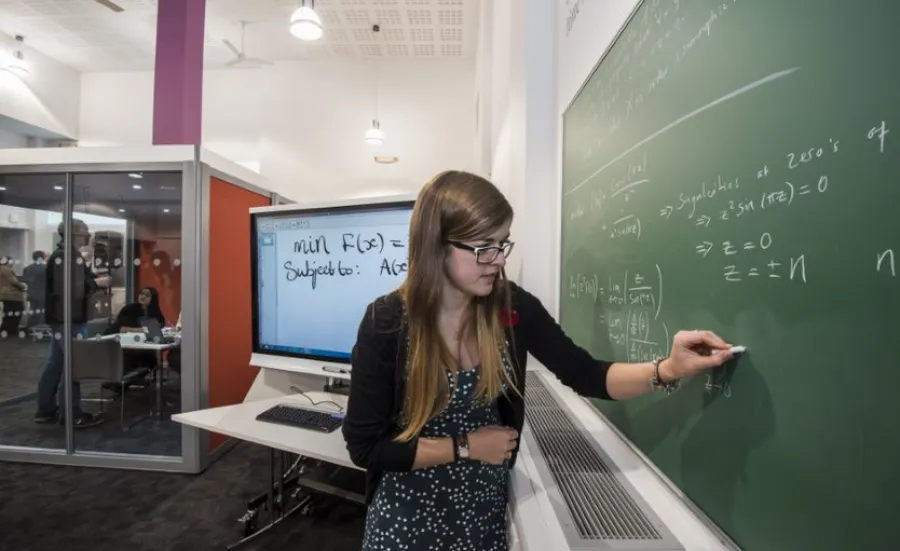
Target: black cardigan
(379,361)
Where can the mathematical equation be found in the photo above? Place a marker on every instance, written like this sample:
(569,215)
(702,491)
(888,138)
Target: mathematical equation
(737,208)
(742,198)
(627,226)
(731,248)
(632,290)
(363,243)
(635,302)
(349,242)
(642,338)
(791,268)
(619,187)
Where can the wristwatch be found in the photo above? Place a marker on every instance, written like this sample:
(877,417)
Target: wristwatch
(657,383)
(461,447)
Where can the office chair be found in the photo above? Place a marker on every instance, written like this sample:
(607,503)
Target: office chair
(100,360)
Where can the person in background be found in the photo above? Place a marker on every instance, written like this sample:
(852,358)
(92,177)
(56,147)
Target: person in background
(437,400)
(130,320)
(35,276)
(130,316)
(12,294)
(84,283)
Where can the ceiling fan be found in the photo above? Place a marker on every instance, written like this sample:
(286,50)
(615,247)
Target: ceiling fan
(111,5)
(240,59)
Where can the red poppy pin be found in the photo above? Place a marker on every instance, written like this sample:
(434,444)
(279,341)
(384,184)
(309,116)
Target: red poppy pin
(509,318)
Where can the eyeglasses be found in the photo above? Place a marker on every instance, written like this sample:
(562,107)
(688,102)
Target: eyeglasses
(486,254)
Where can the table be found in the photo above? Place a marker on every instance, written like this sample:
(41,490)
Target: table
(239,421)
(158,349)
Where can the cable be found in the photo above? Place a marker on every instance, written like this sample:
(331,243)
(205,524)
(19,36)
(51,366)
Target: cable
(313,402)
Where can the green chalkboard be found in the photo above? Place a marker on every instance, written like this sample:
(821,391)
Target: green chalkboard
(735,165)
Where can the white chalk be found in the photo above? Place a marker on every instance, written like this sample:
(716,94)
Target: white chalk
(733,350)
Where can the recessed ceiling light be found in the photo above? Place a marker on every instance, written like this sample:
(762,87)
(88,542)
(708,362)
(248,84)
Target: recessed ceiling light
(58,188)
(121,210)
(136,186)
(165,210)
(2,188)
(135,175)
(384,160)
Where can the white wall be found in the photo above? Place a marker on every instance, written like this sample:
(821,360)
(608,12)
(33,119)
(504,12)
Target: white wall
(516,58)
(12,140)
(46,97)
(585,29)
(117,109)
(315,115)
(533,56)
(302,123)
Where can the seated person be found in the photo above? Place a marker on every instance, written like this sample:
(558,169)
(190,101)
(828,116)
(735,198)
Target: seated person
(129,321)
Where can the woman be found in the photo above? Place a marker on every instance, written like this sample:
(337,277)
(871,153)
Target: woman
(436,403)
(12,294)
(129,320)
(130,316)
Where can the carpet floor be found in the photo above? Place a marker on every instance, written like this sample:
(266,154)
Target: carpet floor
(54,507)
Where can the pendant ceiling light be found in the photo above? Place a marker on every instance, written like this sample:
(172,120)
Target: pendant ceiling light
(305,22)
(374,135)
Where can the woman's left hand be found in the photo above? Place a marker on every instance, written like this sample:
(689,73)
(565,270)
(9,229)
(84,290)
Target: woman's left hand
(693,352)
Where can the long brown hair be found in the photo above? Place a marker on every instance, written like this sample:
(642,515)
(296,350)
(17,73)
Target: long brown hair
(453,206)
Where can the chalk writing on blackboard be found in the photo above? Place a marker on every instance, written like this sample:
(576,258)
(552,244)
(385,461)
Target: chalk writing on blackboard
(789,269)
(885,260)
(879,132)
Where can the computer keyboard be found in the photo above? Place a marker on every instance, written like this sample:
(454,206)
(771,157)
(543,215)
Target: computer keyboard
(302,418)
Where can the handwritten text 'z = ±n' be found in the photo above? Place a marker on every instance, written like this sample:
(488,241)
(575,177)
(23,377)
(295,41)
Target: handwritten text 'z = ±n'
(795,270)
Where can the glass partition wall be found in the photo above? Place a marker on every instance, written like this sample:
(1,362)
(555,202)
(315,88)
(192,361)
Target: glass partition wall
(91,271)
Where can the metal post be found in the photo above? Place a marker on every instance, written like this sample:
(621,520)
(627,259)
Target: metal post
(271,490)
(67,313)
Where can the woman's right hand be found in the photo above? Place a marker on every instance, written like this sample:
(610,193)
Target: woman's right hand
(492,444)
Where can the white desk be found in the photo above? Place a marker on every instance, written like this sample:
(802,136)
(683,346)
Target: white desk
(318,368)
(239,421)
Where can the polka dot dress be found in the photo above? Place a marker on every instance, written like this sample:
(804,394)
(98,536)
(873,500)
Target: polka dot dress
(459,506)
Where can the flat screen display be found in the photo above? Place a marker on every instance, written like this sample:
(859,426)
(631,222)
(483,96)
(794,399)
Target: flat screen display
(315,271)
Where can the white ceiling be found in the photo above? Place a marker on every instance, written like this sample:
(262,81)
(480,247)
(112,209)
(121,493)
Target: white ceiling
(89,37)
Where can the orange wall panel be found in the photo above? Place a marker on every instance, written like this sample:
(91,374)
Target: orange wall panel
(158,254)
(230,339)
